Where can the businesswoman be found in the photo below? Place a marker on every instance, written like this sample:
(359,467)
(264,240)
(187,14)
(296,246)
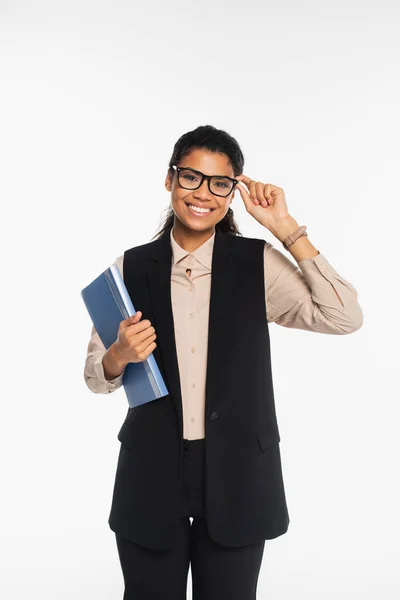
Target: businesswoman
(199,477)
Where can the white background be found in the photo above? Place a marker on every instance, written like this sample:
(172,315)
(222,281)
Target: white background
(94,94)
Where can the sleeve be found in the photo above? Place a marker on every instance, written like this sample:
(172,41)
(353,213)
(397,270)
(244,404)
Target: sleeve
(311,296)
(93,371)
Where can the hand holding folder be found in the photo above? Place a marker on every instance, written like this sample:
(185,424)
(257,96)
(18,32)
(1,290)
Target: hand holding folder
(135,340)
(108,303)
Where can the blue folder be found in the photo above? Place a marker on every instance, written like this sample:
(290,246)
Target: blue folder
(108,303)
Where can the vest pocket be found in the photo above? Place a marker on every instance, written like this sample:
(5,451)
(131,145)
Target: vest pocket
(267,437)
(126,434)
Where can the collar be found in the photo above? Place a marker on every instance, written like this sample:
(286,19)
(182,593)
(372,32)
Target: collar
(203,253)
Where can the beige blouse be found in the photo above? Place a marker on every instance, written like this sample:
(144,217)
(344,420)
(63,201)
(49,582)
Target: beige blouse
(299,298)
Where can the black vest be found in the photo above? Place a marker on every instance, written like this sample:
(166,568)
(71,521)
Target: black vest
(245,496)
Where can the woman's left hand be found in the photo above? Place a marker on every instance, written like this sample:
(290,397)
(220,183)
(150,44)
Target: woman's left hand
(264,201)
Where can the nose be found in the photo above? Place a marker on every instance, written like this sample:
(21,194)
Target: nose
(203,191)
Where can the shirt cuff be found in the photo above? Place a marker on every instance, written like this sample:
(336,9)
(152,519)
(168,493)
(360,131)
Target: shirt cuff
(98,368)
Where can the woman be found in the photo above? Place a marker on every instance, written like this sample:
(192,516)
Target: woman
(199,478)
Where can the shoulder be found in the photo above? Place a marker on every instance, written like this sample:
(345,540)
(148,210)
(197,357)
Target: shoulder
(143,249)
(251,248)
(243,243)
(137,256)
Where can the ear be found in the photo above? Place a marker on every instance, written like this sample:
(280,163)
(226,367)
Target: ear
(168,182)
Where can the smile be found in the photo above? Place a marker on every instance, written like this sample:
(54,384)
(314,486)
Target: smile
(199,212)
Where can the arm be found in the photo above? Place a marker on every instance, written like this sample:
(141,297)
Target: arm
(103,373)
(310,296)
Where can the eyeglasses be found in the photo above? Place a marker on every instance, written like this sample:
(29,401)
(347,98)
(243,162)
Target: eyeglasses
(190,179)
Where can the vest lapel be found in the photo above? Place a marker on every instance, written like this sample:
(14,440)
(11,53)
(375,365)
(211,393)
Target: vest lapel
(222,286)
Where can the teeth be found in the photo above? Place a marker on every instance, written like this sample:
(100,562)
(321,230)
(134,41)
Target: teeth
(203,210)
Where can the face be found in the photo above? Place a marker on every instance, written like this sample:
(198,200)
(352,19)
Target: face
(209,163)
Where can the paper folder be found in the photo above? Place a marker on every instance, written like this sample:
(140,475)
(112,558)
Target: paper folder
(108,303)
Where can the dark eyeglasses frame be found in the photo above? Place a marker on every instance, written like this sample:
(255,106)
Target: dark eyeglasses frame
(208,177)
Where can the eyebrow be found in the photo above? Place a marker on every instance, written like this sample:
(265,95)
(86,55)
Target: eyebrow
(196,171)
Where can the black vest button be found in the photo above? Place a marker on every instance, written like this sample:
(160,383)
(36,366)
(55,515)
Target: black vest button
(213,416)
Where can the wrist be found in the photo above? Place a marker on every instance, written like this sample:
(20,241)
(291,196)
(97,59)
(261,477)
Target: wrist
(115,354)
(113,365)
(284,227)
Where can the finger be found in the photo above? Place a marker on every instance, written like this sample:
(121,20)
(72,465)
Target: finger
(135,318)
(245,196)
(131,320)
(251,189)
(244,178)
(267,192)
(253,192)
(260,194)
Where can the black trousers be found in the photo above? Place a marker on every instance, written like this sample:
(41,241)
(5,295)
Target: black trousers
(218,572)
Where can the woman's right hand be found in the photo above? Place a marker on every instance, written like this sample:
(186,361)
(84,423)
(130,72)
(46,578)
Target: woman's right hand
(135,341)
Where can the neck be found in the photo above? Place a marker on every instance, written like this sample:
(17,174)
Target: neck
(188,239)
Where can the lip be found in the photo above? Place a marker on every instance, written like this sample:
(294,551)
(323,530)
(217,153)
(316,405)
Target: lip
(199,206)
(199,215)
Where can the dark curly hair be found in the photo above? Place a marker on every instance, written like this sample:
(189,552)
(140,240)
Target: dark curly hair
(216,140)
